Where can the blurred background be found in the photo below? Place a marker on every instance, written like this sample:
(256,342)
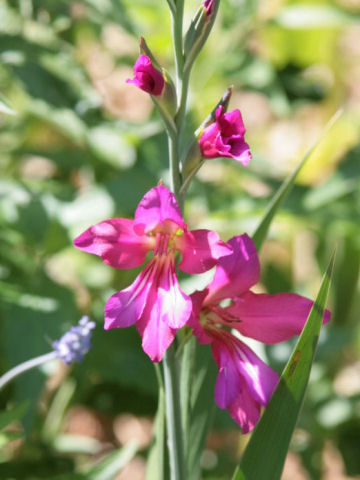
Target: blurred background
(78,145)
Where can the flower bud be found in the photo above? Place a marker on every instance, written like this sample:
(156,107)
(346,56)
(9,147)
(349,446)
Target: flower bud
(199,30)
(147,77)
(208,4)
(225,137)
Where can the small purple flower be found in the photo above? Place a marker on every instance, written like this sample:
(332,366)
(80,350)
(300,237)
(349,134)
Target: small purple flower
(75,343)
(147,77)
(225,137)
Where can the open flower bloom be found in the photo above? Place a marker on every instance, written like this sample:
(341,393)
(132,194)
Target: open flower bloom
(154,301)
(244,383)
(147,77)
(225,137)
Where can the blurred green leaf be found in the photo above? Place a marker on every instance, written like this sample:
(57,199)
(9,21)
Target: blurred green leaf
(5,106)
(309,16)
(261,231)
(56,412)
(265,454)
(110,146)
(111,465)
(157,464)
(105,469)
(7,437)
(201,408)
(13,414)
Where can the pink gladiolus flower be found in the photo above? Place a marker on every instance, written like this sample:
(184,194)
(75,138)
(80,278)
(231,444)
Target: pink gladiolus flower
(244,383)
(225,137)
(154,301)
(147,77)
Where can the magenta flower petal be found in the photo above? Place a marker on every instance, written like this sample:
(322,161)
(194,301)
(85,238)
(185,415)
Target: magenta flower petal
(197,299)
(115,242)
(225,137)
(237,363)
(125,308)
(156,335)
(235,273)
(229,381)
(230,123)
(174,304)
(271,318)
(245,411)
(210,142)
(167,310)
(200,250)
(158,209)
(147,77)
(240,151)
(260,379)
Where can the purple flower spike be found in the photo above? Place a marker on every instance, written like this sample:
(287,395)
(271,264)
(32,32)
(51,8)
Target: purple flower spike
(147,78)
(75,343)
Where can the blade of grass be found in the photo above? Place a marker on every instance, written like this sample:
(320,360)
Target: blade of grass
(265,454)
(261,231)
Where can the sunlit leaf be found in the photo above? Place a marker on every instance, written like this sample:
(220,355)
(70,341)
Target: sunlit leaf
(5,107)
(312,16)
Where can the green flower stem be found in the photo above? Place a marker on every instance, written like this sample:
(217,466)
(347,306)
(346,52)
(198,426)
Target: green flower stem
(186,379)
(170,362)
(28,365)
(177,29)
(180,114)
(174,162)
(173,416)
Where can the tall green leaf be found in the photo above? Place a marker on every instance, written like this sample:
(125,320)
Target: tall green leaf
(197,401)
(265,454)
(261,231)
(158,463)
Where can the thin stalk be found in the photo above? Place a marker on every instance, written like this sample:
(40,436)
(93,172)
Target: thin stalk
(174,162)
(185,185)
(180,115)
(170,363)
(161,426)
(173,416)
(28,365)
(177,29)
(186,379)
(181,94)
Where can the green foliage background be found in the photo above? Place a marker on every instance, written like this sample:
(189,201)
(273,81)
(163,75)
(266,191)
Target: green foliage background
(78,145)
